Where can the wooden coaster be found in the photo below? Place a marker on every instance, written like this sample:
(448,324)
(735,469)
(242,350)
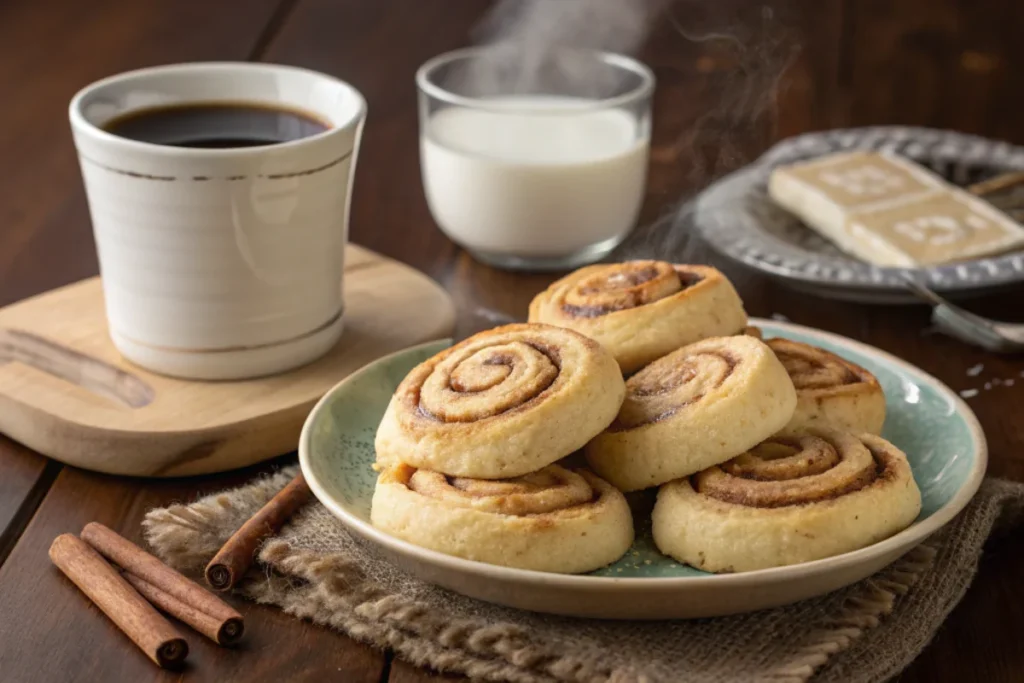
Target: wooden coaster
(66,392)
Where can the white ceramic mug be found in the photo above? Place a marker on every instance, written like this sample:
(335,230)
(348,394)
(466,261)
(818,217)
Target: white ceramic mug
(220,263)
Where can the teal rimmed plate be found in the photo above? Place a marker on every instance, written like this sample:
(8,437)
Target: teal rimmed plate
(925,418)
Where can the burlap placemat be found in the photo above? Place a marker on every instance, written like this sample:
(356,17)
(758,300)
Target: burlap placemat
(314,570)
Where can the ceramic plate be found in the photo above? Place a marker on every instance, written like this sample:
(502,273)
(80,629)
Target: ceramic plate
(936,429)
(740,220)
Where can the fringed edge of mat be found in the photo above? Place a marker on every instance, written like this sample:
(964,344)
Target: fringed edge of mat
(476,648)
(346,600)
(859,613)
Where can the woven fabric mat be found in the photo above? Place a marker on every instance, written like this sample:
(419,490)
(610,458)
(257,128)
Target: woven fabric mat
(314,570)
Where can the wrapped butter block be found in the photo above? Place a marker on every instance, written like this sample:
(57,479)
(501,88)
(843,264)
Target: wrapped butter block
(892,212)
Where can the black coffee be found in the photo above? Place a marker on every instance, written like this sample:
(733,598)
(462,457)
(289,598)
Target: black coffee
(216,125)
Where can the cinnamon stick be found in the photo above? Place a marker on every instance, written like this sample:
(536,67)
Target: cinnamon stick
(222,631)
(189,601)
(235,558)
(102,584)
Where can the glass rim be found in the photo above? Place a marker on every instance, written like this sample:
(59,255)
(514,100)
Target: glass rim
(623,62)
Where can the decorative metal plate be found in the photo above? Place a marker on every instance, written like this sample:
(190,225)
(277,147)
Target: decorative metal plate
(738,218)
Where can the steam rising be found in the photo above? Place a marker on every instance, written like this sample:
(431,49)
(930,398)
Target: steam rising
(535,46)
(745,58)
(537,27)
(732,58)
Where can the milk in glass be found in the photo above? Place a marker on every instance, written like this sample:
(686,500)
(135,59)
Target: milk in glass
(533,176)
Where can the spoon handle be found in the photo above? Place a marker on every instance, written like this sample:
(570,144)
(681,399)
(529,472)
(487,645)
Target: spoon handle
(963,325)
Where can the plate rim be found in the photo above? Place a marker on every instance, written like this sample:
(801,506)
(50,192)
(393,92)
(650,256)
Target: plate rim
(746,247)
(942,145)
(907,538)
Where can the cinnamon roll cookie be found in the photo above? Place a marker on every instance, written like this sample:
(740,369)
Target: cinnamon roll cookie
(553,520)
(786,501)
(642,310)
(502,403)
(830,391)
(694,408)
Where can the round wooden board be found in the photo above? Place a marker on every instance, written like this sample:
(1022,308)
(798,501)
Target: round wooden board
(66,392)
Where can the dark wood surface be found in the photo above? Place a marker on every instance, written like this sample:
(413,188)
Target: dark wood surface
(948,63)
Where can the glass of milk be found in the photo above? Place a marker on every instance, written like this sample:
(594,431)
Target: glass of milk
(538,165)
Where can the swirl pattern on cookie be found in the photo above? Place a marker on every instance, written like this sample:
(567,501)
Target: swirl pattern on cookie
(790,499)
(831,391)
(642,310)
(502,403)
(694,408)
(554,520)
(552,488)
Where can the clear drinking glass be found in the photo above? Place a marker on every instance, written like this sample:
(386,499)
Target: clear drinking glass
(538,165)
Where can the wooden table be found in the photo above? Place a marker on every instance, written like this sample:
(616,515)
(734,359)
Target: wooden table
(931,62)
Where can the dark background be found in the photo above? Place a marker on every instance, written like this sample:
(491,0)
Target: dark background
(945,63)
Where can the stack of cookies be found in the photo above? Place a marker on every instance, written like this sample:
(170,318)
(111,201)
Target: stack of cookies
(467,447)
(766,452)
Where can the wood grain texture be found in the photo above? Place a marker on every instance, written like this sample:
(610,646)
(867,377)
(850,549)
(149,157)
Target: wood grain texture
(980,639)
(50,53)
(377,47)
(45,240)
(999,382)
(49,632)
(943,62)
(68,394)
(26,478)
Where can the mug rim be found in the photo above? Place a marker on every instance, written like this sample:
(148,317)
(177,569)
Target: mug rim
(82,124)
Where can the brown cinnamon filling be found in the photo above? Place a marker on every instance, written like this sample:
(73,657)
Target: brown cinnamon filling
(672,383)
(812,368)
(624,286)
(806,469)
(550,489)
(688,278)
(486,382)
